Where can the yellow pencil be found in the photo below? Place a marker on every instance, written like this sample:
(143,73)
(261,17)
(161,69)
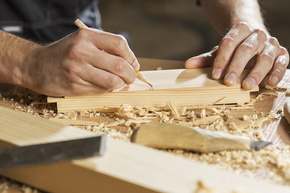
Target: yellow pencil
(80,24)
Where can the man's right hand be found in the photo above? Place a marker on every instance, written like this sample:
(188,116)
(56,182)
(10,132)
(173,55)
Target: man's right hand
(85,62)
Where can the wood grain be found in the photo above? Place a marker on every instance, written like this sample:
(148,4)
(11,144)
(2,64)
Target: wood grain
(180,86)
(124,168)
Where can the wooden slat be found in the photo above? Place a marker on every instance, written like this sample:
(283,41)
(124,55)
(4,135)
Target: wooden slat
(124,168)
(183,87)
(153,98)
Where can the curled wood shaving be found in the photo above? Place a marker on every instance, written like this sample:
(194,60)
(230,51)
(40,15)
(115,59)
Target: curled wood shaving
(115,123)
(202,113)
(205,120)
(136,122)
(190,115)
(173,109)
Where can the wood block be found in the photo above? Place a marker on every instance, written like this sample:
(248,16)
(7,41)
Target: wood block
(180,86)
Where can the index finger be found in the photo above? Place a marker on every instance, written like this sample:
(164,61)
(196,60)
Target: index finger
(114,44)
(227,47)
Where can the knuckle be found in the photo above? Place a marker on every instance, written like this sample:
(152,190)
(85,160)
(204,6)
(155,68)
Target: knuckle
(72,69)
(131,79)
(220,62)
(227,42)
(280,70)
(281,60)
(76,51)
(261,34)
(82,33)
(274,41)
(111,81)
(121,42)
(268,58)
(284,50)
(242,24)
(119,66)
(246,47)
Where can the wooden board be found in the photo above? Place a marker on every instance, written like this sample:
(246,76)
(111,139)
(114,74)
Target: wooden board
(180,86)
(124,168)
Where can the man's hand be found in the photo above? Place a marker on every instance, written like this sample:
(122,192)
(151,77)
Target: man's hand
(85,62)
(245,47)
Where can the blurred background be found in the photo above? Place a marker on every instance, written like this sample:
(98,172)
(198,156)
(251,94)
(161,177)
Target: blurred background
(177,30)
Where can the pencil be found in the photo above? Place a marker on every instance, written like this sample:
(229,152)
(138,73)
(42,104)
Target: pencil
(80,24)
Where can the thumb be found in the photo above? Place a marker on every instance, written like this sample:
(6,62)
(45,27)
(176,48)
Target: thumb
(203,60)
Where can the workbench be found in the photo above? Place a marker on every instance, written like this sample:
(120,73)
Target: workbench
(276,130)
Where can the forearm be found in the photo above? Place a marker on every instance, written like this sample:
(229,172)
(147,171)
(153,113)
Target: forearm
(15,54)
(223,14)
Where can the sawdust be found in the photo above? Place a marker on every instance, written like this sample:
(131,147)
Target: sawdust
(271,163)
(9,186)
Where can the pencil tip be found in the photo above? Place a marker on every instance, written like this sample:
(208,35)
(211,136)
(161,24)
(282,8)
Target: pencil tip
(151,86)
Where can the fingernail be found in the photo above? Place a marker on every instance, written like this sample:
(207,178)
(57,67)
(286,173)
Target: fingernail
(216,74)
(231,79)
(274,80)
(250,83)
(136,65)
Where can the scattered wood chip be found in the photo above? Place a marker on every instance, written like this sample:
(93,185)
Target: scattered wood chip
(205,120)
(173,109)
(288,92)
(202,188)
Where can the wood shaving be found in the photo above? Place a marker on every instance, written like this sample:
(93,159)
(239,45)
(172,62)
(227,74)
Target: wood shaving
(271,163)
(204,121)
(202,113)
(288,92)
(202,188)
(173,109)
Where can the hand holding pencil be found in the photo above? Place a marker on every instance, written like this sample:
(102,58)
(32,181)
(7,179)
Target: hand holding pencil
(78,64)
(80,24)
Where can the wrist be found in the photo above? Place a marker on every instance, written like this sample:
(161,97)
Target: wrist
(27,75)
(16,57)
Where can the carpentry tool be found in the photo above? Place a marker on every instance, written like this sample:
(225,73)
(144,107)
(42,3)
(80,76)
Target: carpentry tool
(174,136)
(22,156)
(80,24)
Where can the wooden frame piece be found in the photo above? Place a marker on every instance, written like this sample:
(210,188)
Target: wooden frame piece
(124,168)
(183,87)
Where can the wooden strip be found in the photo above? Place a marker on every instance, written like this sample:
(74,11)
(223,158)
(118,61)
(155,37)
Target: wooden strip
(124,168)
(182,87)
(152,98)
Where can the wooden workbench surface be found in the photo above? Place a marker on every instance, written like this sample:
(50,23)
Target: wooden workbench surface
(276,130)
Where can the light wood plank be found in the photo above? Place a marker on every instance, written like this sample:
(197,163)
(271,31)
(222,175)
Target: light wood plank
(124,168)
(183,87)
